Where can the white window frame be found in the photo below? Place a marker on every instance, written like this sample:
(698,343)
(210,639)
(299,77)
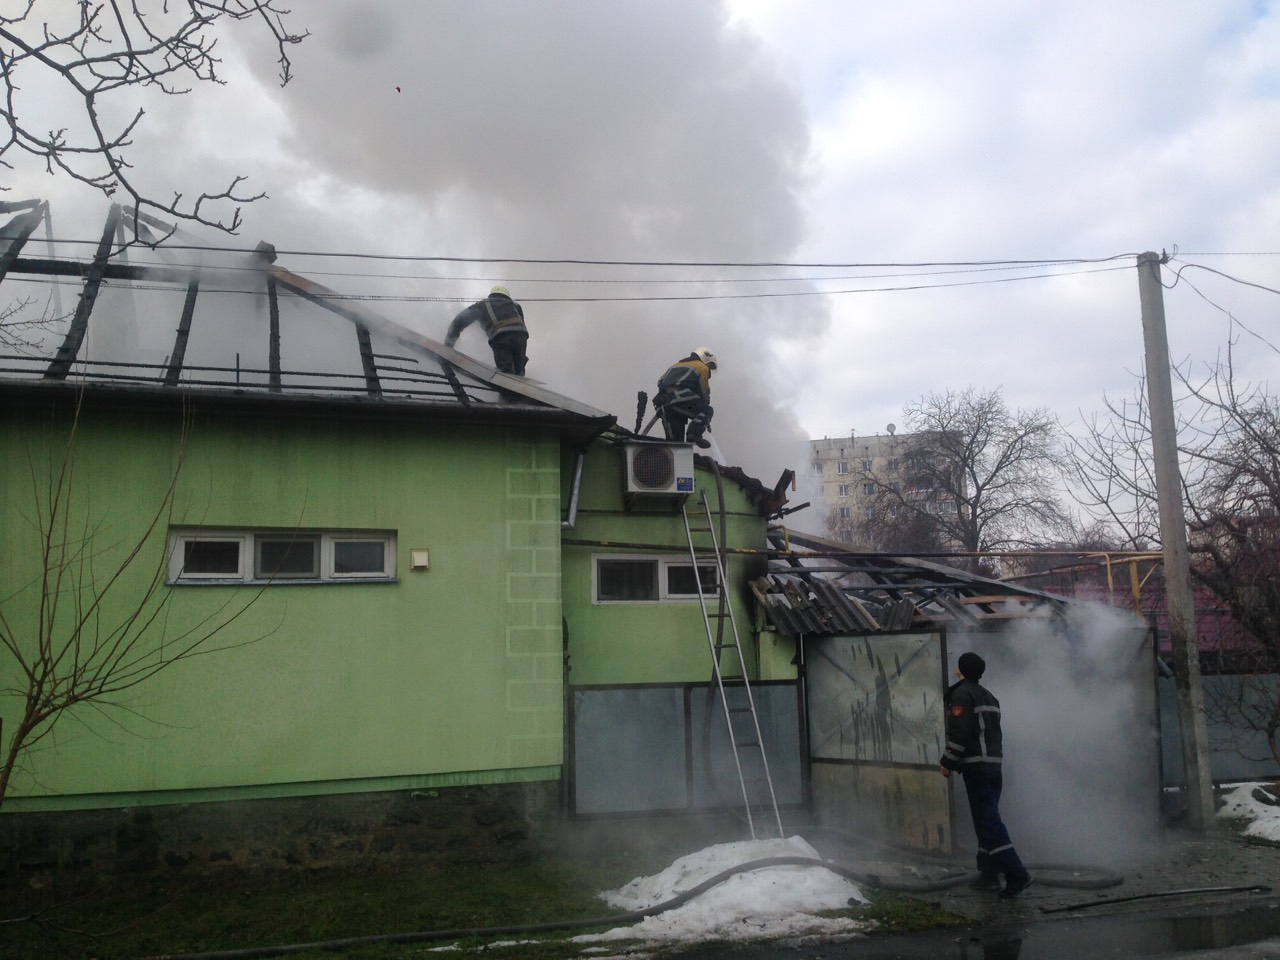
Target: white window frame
(247,540)
(176,556)
(842,467)
(664,562)
(844,490)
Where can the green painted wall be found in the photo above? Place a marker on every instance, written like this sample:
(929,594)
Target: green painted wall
(453,670)
(649,642)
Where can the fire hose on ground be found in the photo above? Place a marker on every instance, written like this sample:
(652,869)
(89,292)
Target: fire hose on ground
(1099,879)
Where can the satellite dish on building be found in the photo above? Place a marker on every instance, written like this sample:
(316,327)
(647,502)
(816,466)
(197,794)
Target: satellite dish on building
(891,428)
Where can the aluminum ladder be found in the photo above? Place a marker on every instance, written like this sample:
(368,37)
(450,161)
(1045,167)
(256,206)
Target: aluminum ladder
(741,719)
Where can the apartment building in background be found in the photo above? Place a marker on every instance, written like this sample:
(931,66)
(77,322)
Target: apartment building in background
(844,470)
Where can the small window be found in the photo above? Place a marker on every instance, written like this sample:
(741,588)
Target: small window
(894,465)
(359,557)
(682,583)
(866,466)
(845,489)
(868,488)
(622,580)
(210,557)
(651,579)
(871,513)
(842,466)
(279,556)
(844,513)
(286,557)
(816,468)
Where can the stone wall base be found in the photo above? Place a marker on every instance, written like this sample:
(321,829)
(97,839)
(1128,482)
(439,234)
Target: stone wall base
(482,823)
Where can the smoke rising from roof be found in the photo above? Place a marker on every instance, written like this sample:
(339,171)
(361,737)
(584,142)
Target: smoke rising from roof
(630,131)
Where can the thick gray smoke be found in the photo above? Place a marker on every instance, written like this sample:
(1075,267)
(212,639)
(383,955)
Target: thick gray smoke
(649,131)
(1081,779)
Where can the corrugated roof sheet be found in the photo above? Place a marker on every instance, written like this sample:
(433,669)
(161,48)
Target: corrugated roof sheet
(814,587)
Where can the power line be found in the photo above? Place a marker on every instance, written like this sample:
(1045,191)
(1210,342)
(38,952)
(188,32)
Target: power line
(575,261)
(406,298)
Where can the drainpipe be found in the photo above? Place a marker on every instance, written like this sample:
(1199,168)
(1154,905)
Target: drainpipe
(573,496)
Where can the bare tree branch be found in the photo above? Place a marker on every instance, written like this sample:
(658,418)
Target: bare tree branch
(101,626)
(976,477)
(97,51)
(1229,447)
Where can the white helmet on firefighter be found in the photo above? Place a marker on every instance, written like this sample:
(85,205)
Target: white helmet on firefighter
(706,356)
(501,291)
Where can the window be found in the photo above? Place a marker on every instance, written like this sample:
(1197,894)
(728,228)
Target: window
(868,488)
(651,579)
(845,489)
(286,557)
(816,468)
(866,466)
(279,556)
(842,466)
(894,465)
(844,513)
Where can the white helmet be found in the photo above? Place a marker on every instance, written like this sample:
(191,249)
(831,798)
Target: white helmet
(706,356)
(501,291)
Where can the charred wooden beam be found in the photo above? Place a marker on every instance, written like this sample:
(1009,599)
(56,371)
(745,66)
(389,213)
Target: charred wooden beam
(174,370)
(20,229)
(273,347)
(452,377)
(60,366)
(111,271)
(367,360)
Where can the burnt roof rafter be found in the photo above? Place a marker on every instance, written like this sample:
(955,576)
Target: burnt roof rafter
(19,230)
(60,366)
(128,341)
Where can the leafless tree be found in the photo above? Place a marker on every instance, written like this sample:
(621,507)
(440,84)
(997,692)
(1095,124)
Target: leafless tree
(975,477)
(94,623)
(1229,446)
(95,53)
(19,321)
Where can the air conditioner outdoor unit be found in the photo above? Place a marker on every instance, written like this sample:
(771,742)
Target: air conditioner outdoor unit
(659,469)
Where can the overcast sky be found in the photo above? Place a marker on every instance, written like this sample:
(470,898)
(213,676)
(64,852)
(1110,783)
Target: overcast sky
(764,131)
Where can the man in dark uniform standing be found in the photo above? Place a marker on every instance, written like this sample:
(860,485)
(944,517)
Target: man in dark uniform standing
(502,320)
(975,749)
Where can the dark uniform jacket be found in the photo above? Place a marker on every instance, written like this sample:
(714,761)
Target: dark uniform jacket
(973,726)
(496,315)
(686,378)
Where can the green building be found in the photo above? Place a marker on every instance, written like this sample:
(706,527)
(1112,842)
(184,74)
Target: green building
(299,564)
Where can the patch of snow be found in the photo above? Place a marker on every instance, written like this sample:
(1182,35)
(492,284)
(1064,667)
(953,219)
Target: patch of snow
(1264,819)
(767,903)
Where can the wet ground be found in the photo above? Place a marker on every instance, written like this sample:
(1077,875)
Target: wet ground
(1191,897)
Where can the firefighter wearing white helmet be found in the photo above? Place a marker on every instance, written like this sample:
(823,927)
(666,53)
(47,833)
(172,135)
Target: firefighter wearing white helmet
(684,398)
(502,320)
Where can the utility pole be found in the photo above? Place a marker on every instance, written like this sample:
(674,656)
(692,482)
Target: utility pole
(1173,534)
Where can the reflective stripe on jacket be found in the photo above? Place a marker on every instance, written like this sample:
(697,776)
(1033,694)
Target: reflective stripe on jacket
(503,314)
(973,726)
(496,314)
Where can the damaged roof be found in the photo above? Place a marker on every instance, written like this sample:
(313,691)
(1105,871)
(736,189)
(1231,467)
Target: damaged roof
(820,587)
(183,318)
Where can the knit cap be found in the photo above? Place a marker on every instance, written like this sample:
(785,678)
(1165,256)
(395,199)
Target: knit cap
(972,666)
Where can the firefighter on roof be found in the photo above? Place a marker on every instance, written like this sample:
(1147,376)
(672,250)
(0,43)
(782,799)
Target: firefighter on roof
(684,398)
(502,320)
